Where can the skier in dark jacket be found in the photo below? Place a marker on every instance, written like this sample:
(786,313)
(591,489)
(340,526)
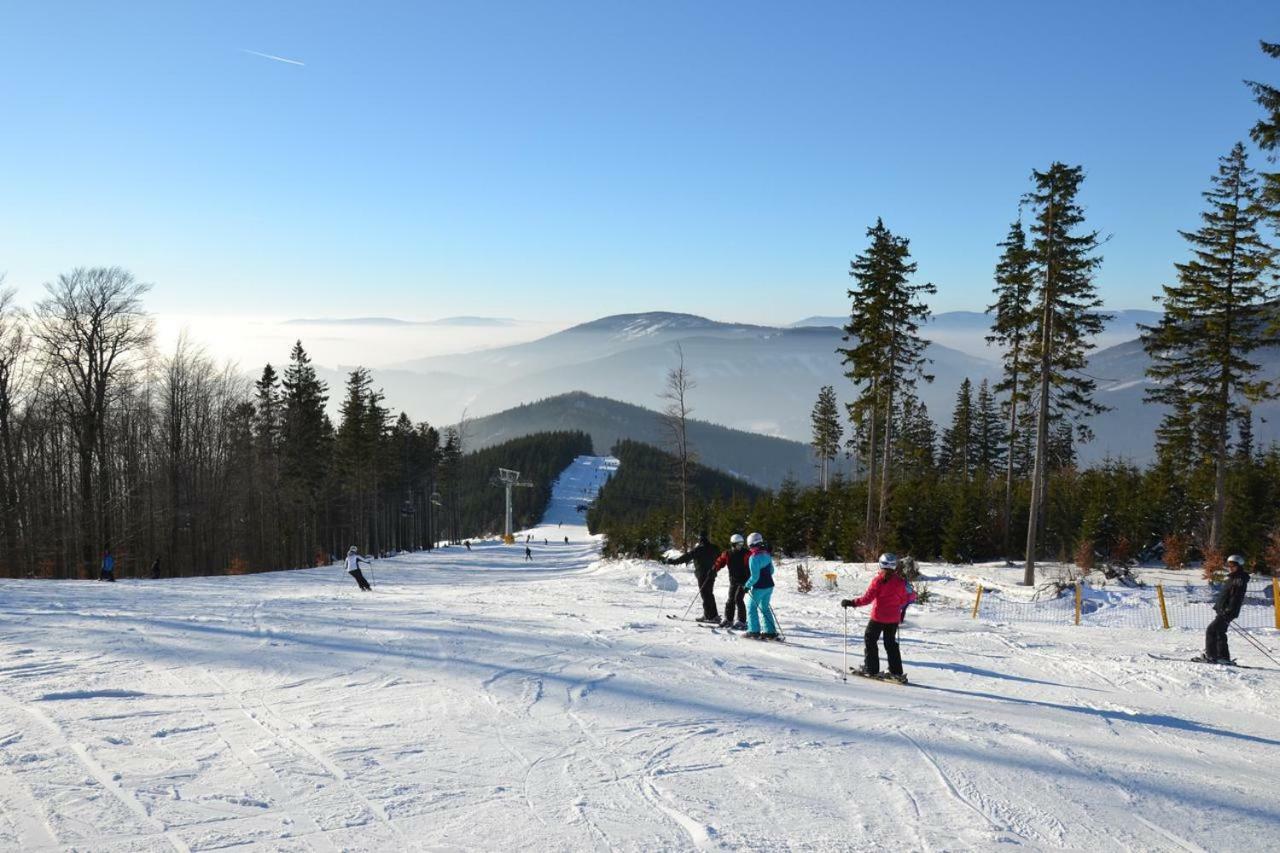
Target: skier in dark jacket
(1227,606)
(736,560)
(703,556)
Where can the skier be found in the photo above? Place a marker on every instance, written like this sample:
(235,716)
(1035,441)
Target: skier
(566,540)
(1227,606)
(888,595)
(353,568)
(703,556)
(528,554)
(467,542)
(155,569)
(760,585)
(108,567)
(736,558)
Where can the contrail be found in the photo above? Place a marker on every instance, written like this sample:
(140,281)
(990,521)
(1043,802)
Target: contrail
(270,56)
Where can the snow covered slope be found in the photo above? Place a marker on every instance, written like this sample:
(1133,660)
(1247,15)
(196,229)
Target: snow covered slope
(476,701)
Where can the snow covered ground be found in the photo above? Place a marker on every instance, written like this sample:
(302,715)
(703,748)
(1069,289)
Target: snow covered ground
(477,701)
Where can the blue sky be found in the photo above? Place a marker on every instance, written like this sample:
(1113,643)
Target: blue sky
(560,161)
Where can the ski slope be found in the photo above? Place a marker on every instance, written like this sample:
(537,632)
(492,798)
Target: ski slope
(477,701)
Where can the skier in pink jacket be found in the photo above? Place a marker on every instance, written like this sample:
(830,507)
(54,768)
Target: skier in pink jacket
(888,596)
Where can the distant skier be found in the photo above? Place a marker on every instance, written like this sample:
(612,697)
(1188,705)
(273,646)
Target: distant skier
(1227,605)
(108,567)
(467,542)
(528,554)
(566,540)
(703,556)
(736,558)
(760,585)
(888,595)
(353,568)
(155,569)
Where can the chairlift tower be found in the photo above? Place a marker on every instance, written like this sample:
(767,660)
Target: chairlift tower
(509,480)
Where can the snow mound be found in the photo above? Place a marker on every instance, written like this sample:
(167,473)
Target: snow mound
(659,579)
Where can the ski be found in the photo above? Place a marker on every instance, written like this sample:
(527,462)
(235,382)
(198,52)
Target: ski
(1208,663)
(851,671)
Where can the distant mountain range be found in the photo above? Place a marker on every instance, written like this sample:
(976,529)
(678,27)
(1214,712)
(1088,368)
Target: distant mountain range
(481,322)
(752,379)
(967,331)
(758,459)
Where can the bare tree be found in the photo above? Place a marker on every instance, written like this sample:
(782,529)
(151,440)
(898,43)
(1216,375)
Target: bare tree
(88,326)
(14,344)
(675,420)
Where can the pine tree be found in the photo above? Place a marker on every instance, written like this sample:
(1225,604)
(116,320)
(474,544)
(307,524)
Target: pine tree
(886,356)
(357,457)
(827,431)
(989,449)
(267,421)
(1011,328)
(957,455)
(1063,266)
(1214,318)
(1266,134)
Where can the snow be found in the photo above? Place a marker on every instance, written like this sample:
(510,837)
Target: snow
(475,701)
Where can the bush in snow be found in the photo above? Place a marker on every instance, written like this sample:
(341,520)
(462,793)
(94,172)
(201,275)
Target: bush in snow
(1085,558)
(1176,546)
(1214,566)
(804,583)
(1271,554)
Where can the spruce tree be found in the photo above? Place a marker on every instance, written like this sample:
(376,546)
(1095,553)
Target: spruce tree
(989,449)
(917,438)
(827,431)
(1066,302)
(886,352)
(1215,316)
(957,455)
(306,435)
(1012,325)
(1266,134)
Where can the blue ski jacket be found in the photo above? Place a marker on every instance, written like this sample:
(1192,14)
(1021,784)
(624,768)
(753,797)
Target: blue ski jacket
(761,564)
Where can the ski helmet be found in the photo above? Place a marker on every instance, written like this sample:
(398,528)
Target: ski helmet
(1237,559)
(889,561)
(736,539)
(755,539)
(353,550)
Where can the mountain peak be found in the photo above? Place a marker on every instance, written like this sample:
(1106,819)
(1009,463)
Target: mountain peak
(646,324)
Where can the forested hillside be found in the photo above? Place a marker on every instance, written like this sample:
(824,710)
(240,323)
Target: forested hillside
(539,458)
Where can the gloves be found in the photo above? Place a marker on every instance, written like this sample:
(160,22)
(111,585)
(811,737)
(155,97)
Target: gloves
(847,602)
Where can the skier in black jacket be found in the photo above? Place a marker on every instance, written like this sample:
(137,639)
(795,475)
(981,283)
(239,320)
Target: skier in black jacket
(1227,606)
(736,559)
(703,556)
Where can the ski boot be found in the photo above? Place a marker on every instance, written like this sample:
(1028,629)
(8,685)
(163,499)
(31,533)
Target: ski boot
(739,626)
(752,635)
(899,677)
(863,671)
(1202,658)
(708,620)
(771,635)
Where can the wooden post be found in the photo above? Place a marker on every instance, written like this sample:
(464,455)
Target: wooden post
(978,600)
(1079,595)
(1275,599)
(1164,613)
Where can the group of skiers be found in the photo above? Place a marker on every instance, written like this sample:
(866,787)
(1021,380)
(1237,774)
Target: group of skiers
(751,569)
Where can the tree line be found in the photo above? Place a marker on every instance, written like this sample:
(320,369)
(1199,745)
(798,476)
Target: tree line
(179,465)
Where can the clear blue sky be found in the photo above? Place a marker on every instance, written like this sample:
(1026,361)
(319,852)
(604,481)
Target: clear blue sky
(566,160)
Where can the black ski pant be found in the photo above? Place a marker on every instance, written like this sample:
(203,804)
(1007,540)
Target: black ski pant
(1215,639)
(735,606)
(872,635)
(706,579)
(108,576)
(359,576)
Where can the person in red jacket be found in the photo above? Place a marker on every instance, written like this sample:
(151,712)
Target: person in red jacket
(888,596)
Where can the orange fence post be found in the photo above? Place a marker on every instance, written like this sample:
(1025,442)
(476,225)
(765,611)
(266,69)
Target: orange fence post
(1079,595)
(978,600)
(1164,613)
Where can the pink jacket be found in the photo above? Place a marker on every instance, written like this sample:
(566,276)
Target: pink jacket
(888,594)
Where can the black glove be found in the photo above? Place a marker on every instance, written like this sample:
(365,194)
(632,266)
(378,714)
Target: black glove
(847,602)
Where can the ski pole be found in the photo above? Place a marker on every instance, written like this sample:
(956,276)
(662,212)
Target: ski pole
(844,672)
(777,629)
(1257,645)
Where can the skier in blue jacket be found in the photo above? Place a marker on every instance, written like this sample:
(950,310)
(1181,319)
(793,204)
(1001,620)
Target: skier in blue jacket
(760,588)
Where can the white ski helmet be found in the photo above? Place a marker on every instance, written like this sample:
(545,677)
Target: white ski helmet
(888,561)
(1237,559)
(736,539)
(352,550)
(755,539)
